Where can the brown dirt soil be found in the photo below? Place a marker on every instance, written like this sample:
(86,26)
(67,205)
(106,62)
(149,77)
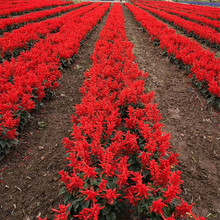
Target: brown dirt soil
(31,180)
(194,126)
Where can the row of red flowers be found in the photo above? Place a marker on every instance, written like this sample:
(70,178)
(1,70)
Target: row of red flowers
(206,11)
(203,66)
(189,16)
(118,153)
(7,4)
(210,35)
(21,39)
(12,23)
(24,81)
(9,9)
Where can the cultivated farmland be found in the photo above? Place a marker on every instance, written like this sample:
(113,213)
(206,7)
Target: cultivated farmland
(109,110)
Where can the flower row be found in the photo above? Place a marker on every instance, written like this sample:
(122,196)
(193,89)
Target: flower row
(202,63)
(6,11)
(118,153)
(8,24)
(10,4)
(23,38)
(24,81)
(211,36)
(209,12)
(189,16)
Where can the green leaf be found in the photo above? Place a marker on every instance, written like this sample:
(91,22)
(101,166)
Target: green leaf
(86,204)
(67,198)
(140,209)
(62,191)
(108,217)
(167,211)
(218,104)
(211,99)
(70,208)
(3,143)
(14,141)
(107,210)
(102,217)
(113,216)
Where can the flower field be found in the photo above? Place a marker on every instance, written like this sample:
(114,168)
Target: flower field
(109,111)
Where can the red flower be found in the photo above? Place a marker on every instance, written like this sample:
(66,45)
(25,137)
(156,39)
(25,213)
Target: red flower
(62,212)
(110,195)
(171,193)
(142,190)
(157,206)
(91,194)
(89,172)
(145,159)
(72,182)
(182,209)
(11,134)
(130,195)
(102,185)
(90,214)
(123,172)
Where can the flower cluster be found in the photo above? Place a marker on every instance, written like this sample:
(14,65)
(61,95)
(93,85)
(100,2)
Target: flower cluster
(118,151)
(24,81)
(12,23)
(206,33)
(8,8)
(202,63)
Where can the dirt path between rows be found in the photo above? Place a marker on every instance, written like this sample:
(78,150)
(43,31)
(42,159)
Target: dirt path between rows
(30,181)
(193,125)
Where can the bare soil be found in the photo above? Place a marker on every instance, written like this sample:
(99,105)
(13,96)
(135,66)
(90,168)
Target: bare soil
(194,126)
(31,180)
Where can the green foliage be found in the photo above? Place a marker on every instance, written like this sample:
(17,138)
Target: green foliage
(5,146)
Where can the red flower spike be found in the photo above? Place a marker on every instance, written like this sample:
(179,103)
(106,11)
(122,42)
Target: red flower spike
(90,214)
(157,206)
(90,194)
(62,212)
(110,195)
(182,209)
